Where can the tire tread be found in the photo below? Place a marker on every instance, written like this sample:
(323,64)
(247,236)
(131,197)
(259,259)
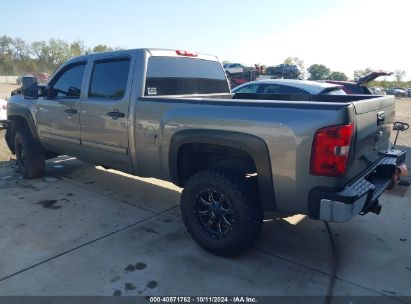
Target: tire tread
(250,207)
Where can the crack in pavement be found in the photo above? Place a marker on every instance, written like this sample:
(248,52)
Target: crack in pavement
(327,274)
(85,244)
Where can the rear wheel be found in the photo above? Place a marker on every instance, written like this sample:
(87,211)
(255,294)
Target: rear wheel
(219,214)
(29,154)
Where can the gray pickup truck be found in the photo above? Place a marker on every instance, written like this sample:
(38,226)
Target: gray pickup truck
(170,115)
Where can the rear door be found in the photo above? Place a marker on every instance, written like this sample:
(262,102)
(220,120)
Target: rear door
(373,119)
(104,112)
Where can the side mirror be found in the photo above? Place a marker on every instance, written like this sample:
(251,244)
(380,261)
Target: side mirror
(43,91)
(30,87)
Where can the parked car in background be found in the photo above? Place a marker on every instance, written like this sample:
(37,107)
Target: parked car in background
(237,68)
(377,91)
(360,86)
(284,70)
(20,78)
(409,92)
(397,92)
(41,77)
(233,68)
(289,86)
(3,112)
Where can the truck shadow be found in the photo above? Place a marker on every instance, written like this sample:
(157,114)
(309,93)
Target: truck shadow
(281,237)
(147,193)
(6,163)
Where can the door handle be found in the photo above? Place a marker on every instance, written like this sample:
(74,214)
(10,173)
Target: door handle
(70,111)
(115,114)
(380,118)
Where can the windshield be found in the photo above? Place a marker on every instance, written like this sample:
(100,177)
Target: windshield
(183,76)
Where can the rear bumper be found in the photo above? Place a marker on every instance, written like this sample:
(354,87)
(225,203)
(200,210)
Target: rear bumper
(360,195)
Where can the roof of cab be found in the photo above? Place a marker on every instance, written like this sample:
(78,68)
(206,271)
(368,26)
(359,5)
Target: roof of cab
(150,51)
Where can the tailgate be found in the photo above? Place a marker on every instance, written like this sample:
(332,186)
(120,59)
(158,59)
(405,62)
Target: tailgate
(373,119)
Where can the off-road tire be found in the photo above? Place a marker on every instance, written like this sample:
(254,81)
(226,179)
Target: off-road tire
(246,209)
(29,154)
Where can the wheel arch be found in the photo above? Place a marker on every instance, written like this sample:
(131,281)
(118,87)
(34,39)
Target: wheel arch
(21,118)
(252,145)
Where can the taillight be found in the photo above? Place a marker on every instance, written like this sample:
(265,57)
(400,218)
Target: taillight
(186,53)
(330,150)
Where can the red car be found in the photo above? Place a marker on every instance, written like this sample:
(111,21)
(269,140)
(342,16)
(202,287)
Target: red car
(359,87)
(42,77)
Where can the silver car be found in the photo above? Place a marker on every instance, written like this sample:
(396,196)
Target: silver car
(397,92)
(289,86)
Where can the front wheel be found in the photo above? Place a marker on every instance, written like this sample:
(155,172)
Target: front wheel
(29,155)
(219,214)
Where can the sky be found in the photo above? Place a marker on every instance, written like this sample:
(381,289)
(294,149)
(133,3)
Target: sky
(343,35)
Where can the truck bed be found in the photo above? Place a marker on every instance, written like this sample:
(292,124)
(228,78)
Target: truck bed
(287,126)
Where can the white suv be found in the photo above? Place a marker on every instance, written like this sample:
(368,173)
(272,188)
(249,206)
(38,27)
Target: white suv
(3,111)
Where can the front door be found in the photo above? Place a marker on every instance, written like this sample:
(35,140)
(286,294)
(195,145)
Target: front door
(57,115)
(104,112)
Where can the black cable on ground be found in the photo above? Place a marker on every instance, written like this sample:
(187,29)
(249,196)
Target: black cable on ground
(334,266)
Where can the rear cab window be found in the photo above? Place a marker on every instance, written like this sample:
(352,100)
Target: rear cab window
(184,76)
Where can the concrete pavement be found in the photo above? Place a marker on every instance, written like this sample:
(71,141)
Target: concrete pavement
(89,231)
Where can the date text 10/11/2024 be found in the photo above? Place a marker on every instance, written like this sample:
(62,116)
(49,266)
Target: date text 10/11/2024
(203,299)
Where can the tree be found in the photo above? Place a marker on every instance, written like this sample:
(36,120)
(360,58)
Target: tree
(59,51)
(6,56)
(399,75)
(318,72)
(51,54)
(297,62)
(335,75)
(288,60)
(21,49)
(102,48)
(39,49)
(361,73)
(6,45)
(77,48)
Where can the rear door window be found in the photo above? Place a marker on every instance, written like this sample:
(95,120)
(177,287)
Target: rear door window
(109,79)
